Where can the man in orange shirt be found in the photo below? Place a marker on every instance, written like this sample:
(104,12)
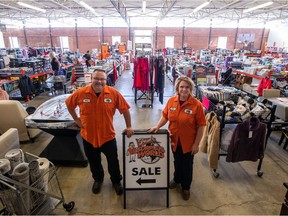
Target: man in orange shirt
(97,104)
(186,126)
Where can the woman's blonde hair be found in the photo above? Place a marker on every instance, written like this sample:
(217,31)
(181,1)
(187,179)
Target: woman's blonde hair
(190,83)
(52,55)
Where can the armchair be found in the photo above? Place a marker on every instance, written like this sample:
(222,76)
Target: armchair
(9,140)
(12,115)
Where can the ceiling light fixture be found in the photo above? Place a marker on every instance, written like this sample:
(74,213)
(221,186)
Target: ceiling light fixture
(83,4)
(258,7)
(201,6)
(143,6)
(31,7)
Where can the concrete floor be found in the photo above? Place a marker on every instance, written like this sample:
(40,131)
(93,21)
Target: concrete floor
(237,191)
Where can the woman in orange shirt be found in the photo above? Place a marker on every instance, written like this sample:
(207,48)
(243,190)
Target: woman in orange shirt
(186,125)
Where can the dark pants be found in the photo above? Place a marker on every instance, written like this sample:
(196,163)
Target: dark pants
(87,63)
(109,149)
(183,168)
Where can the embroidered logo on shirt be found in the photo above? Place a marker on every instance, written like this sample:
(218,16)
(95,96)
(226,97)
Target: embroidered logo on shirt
(86,100)
(188,111)
(172,108)
(107,100)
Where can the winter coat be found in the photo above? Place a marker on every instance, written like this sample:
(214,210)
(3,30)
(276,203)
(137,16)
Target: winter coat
(248,141)
(211,139)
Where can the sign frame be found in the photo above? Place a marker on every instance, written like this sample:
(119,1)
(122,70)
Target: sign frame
(137,165)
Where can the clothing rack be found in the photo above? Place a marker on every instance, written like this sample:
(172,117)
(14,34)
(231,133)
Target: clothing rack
(225,153)
(149,75)
(263,117)
(143,82)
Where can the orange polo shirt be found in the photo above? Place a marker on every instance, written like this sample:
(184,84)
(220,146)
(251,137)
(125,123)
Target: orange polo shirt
(184,121)
(96,113)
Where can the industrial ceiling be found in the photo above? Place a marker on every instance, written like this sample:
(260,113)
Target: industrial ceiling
(224,11)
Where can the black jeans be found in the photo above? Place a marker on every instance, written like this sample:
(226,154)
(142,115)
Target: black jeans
(183,168)
(109,149)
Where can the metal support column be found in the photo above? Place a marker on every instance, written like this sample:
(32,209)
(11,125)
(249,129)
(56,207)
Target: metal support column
(102,30)
(156,37)
(183,33)
(236,34)
(209,36)
(50,34)
(262,37)
(76,34)
(25,35)
(129,31)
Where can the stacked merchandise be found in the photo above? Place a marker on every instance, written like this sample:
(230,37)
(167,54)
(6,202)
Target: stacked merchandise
(36,65)
(29,173)
(15,62)
(29,185)
(46,64)
(80,70)
(15,71)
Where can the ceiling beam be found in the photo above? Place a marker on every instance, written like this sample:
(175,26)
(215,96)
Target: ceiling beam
(20,10)
(266,12)
(73,12)
(215,11)
(121,9)
(166,7)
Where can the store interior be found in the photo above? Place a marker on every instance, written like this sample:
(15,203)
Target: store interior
(240,74)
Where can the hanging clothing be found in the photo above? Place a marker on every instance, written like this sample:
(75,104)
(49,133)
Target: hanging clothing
(141,74)
(211,139)
(265,83)
(248,141)
(26,86)
(159,77)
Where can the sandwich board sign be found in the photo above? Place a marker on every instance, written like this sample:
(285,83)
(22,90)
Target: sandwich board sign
(146,161)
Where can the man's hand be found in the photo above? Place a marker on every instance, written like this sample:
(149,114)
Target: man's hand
(78,122)
(129,132)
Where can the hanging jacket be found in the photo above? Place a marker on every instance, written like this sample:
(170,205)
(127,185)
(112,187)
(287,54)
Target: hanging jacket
(26,86)
(265,83)
(211,139)
(248,141)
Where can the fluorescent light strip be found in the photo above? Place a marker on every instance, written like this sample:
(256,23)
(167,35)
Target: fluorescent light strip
(201,6)
(31,7)
(257,7)
(143,6)
(82,3)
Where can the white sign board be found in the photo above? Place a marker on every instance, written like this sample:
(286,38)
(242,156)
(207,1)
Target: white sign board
(146,160)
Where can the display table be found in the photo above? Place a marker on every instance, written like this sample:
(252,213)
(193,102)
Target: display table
(282,107)
(66,147)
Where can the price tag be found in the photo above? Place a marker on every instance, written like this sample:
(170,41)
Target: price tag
(250,134)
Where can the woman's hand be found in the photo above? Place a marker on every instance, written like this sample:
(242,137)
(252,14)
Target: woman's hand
(195,149)
(153,130)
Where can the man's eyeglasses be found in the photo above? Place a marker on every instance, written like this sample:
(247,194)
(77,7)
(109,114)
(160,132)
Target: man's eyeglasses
(99,79)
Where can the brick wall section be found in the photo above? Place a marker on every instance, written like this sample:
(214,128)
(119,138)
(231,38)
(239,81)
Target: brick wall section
(89,38)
